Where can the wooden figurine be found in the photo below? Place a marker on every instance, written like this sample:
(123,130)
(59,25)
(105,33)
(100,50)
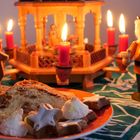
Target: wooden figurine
(53,36)
(133,52)
(3,57)
(12,72)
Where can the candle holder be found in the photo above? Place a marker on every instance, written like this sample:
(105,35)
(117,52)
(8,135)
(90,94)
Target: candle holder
(121,66)
(10,52)
(63,74)
(112,49)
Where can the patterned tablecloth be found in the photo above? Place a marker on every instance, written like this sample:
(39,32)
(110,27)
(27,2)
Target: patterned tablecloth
(125,123)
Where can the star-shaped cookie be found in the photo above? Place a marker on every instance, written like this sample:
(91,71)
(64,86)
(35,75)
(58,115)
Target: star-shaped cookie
(46,116)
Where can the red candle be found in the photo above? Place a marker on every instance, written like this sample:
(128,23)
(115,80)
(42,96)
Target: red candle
(123,42)
(110,29)
(110,36)
(64,48)
(64,54)
(9,35)
(9,40)
(123,38)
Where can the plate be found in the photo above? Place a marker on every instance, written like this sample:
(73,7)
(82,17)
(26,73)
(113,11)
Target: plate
(104,116)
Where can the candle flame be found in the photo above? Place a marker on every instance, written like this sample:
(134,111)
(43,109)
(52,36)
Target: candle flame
(9,25)
(109,18)
(64,32)
(122,24)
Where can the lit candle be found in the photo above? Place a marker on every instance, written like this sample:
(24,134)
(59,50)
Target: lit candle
(9,35)
(137,29)
(123,38)
(110,29)
(64,48)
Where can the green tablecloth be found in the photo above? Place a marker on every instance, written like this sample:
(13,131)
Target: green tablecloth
(125,123)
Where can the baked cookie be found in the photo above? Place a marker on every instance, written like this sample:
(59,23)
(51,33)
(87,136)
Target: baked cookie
(96,102)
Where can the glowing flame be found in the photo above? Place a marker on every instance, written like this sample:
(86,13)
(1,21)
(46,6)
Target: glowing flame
(64,32)
(109,18)
(9,25)
(122,24)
